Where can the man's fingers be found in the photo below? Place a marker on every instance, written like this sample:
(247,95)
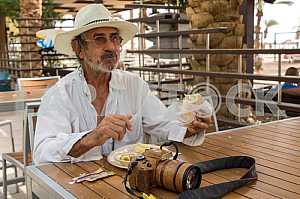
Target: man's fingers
(207,120)
(111,133)
(199,125)
(129,116)
(119,130)
(118,122)
(191,130)
(129,123)
(195,128)
(126,119)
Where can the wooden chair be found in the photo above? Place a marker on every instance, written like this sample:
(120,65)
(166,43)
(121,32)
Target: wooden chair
(29,84)
(24,158)
(12,142)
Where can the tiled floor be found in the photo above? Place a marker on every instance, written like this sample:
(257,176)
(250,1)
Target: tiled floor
(5,146)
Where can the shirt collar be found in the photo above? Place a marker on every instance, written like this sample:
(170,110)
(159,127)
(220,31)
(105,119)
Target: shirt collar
(117,80)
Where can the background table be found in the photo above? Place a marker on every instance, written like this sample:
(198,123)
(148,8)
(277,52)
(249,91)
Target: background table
(15,100)
(275,146)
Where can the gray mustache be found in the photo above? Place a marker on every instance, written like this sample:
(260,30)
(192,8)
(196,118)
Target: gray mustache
(109,55)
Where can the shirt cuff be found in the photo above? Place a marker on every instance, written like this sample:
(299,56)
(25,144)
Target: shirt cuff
(177,132)
(195,140)
(68,140)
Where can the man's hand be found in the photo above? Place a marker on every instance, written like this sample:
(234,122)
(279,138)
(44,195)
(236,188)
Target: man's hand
(198,125)
(113,126)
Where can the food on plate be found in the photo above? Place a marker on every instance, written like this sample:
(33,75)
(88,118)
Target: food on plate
(125,157)
(141,148)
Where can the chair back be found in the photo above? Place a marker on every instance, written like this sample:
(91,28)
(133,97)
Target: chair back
(29,84)
(31,121)
(30,118)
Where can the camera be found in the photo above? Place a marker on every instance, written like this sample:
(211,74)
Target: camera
(157,168)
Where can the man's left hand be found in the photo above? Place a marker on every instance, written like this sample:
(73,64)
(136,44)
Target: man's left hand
(198,125)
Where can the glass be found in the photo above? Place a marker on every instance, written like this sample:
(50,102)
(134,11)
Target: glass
(101,40)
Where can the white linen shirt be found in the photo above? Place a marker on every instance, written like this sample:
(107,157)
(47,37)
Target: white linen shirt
(66,114)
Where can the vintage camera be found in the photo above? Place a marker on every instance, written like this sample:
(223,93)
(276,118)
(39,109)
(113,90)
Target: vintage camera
(156,168)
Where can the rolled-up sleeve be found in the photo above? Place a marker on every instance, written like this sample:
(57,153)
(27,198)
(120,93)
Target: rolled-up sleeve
(54,134)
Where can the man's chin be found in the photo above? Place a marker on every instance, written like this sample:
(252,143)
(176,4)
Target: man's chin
(106,69)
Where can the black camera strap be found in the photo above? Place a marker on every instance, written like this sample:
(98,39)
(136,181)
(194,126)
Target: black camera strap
(219,190)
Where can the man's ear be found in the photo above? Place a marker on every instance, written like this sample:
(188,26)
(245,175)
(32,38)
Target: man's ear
(77,48)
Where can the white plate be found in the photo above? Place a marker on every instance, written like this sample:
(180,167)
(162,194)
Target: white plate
(136,149)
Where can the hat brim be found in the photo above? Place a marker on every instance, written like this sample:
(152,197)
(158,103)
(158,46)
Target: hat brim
(63,40)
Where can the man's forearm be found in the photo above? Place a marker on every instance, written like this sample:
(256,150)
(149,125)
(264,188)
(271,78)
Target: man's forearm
(83,145)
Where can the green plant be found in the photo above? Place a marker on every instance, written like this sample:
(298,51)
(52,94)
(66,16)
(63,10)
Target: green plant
(48,9)
(10,8)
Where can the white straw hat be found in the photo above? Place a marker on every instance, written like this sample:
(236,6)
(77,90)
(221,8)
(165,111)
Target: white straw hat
(87,18)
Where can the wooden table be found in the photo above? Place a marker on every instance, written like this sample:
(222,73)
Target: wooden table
(15,96)
(275,146)
(14,100)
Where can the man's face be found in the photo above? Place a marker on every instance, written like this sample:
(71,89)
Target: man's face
(102,49)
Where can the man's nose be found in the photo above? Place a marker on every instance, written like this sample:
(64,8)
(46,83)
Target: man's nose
(109,45)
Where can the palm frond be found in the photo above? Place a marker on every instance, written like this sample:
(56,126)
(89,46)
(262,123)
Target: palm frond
(271,22)
(289,3)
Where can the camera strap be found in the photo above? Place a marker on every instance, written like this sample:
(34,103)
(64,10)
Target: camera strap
(219,190)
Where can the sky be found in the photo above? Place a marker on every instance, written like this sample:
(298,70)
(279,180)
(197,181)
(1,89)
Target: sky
(288,18)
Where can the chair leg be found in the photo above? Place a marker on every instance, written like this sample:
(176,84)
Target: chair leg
(4,179)
(16,175)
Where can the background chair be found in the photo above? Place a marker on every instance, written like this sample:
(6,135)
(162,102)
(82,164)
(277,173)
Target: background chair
(29,84)
(12,143)
(21,159)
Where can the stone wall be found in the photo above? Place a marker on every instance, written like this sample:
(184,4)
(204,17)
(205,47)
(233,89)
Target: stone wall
(212,14)
(30,9)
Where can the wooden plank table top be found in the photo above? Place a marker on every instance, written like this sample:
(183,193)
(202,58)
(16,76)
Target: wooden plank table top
(21,96)
(275,147)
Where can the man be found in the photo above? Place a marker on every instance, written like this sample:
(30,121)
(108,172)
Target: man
(96,108)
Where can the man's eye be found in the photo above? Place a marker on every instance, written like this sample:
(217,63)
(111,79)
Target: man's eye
(100,39)
(116,38)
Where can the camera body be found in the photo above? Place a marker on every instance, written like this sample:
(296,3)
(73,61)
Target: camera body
(156,168)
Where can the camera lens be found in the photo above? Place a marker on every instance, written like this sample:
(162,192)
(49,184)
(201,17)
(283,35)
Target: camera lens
(177,175)
(192,178)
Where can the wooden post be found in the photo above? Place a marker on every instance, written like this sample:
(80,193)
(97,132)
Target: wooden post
(3,44)
(32,10)
(248,12)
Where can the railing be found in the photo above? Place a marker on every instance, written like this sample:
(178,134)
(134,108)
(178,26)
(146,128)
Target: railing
(237,76)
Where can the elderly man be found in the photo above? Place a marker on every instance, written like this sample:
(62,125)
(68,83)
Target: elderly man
(97,108)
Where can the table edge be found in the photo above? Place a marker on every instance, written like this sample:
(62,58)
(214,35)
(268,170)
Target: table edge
(39,177)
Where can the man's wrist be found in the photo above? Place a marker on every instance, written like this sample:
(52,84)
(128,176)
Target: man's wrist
(94,138)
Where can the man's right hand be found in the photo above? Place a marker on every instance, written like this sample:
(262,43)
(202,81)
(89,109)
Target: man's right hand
(112,126)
